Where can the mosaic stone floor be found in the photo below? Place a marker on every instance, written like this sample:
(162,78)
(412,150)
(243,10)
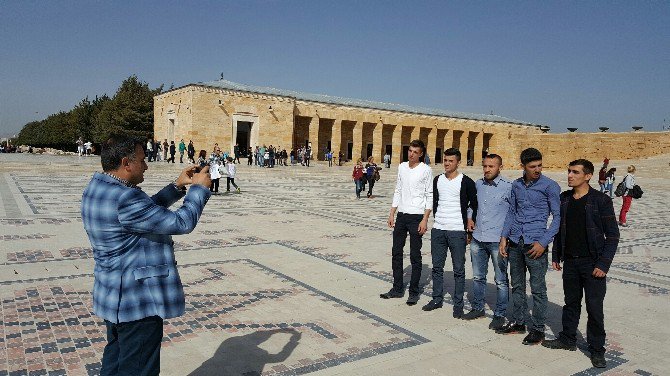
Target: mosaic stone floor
(284,278)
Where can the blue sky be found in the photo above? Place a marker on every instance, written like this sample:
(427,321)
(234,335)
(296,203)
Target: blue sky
(563,64)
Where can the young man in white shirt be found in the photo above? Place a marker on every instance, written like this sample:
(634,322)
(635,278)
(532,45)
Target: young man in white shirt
(455,211)
(412,201)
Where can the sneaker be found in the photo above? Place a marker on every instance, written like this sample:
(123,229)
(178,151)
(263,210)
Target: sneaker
(534,337)
(474,314)
(457,314)
(239,190)
(413,299)
(512,328)
(598,360)
(391,294)
(433,304)
(557,344)
(497,322)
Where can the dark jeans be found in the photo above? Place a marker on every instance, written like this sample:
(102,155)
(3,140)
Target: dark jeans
(371,181)
(441,241)
(405,223)
(230,181)
(133,348)
(577,282)
(214,187)
(170,159)
(519,262)
(359,187)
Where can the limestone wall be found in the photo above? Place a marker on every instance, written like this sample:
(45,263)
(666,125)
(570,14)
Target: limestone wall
(559,149)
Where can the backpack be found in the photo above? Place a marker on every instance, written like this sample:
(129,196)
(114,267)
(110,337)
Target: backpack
(620,189)
(636,192)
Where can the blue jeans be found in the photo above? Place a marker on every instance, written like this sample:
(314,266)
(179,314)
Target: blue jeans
(441,241)
(479,254)
(359,187)
(519,261)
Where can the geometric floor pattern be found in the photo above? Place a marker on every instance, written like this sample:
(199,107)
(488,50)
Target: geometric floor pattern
(283,279)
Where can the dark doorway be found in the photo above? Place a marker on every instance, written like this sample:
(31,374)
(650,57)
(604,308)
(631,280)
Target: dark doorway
(369,151)
(350,151)
(471,157)
(405,150)
(438,155)
(243,138)
(389,150)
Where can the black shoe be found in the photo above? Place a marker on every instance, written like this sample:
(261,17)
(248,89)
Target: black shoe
(413,299)
(433,304)
(497,322)
(557,344)
(598,360)
(391,294)
(512,328)
(474,314)
(457,314)
(533,338)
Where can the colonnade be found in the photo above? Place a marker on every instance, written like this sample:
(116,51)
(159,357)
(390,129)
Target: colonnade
(363,138)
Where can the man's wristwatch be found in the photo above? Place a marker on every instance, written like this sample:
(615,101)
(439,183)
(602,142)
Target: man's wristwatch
(182,189)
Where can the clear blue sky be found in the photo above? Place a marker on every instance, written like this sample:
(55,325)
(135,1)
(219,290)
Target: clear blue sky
(583,63)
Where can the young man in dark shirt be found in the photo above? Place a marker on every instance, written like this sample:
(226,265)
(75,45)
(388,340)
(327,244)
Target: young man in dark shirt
(586,243)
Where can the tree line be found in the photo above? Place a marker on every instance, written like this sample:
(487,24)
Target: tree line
(130,112)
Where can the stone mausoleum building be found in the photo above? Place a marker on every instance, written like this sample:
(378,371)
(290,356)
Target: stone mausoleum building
(229,113)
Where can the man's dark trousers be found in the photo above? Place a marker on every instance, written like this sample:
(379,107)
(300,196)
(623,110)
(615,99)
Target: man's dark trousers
(405,223)
(133,348)
(578,281)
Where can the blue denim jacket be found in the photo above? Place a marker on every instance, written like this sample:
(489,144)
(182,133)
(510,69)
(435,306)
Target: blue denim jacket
(529,210)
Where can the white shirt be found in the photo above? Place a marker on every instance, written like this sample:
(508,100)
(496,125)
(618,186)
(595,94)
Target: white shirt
(231,170)
(214,172)
(448,216)
(414,189)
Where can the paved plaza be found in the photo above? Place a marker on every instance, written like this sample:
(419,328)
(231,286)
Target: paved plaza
(285,277)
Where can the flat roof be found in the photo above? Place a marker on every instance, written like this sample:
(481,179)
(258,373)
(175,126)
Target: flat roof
(330,99)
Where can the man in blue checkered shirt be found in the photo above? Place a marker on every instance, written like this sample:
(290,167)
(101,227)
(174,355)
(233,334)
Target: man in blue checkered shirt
(137,284)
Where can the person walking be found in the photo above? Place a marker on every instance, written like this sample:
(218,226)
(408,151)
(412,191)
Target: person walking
(136,281)
(371,174)
(182,148)
(455,212)
(236,153)
(412,201)
(308,154)
(534,197)
(191,151)
(609,181)
(493,198)
(629,182)
(586,244)
(150,150)
(214,172)
(173,151)
(358,176)
(231,175)
(166,146)
(602,178)
(387,160)
(250,157)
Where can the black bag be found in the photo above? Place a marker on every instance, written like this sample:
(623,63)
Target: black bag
(636,192)
(620,189)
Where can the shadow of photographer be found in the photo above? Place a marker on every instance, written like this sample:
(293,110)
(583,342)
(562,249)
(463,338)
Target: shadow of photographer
(242,355)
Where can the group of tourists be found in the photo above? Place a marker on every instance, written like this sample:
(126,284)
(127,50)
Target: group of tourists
(606,181)
(368,174)
(269,156)
(84,148)
(507,222)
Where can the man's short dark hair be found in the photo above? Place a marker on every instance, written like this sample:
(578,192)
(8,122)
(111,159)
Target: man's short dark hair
(587,166)
(419,144)
(115,149)
(453,152)
(494,156)
(530,155)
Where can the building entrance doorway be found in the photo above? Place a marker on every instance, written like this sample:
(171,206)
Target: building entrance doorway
(405,150)
(350,151)
(368,153)
(438,155)
(243,137)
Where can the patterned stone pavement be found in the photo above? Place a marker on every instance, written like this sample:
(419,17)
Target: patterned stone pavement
(284,278)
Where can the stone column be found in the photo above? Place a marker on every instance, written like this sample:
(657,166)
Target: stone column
(336,137)
(479,146)
(448,140)
(377,147)
(432,144)
(314,135)
(357,151)
(396,145)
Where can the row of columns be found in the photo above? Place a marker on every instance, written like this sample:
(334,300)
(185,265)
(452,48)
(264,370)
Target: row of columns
(464,139)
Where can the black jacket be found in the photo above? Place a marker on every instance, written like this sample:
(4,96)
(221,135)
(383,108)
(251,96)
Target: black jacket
(602,231)
(468,198)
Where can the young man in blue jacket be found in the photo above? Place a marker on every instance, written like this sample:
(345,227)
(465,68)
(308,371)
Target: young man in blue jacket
(586,244)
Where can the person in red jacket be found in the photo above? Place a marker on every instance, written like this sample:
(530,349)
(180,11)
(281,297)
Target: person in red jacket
(358,176)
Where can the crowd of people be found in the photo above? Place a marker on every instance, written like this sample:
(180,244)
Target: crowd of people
(508,223)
